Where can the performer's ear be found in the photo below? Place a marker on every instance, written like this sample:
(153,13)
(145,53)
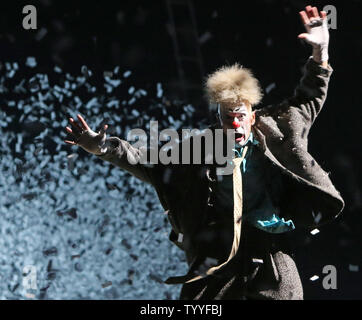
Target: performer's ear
(252,118)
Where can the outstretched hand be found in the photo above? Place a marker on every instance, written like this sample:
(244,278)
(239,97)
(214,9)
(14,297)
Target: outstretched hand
(85,137)
(317,34)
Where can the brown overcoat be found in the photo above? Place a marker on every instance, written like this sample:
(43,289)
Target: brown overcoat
(282,131)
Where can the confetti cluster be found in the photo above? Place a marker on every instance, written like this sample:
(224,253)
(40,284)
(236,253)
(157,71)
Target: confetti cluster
(88,229)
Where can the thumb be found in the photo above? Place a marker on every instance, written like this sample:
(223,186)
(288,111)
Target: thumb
(103,129)
(303,36)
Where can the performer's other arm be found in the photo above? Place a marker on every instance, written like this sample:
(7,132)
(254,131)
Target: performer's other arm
(117,151)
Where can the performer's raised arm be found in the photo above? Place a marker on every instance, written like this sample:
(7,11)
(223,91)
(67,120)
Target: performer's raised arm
(317,34)
(311,92)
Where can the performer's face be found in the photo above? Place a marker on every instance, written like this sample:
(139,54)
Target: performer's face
(239,118)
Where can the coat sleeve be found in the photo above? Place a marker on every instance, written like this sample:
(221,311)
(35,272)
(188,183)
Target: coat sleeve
(311,92)
(123,155)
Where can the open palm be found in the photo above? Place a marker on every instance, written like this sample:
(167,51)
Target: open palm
(85,137)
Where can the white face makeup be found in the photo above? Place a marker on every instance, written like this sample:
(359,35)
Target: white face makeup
(238,118)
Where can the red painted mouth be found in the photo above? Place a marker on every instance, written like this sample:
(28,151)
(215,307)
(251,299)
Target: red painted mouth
(239,137)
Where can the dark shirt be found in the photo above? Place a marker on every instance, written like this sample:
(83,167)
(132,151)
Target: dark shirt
(259,209)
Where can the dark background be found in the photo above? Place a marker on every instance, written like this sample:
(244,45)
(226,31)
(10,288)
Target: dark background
(261,35)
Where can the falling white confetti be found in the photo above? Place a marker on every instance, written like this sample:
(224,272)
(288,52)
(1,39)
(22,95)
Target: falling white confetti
(41,185)
(210,261)
(180,237)
(30,62)
(107,74)
(127,74)
(205,37)
(135,112)
(270,87)
(159,90)
(314,231)
(131,90)
(57,69)
(353,268)
(41,34)
(317,217)
(258,260)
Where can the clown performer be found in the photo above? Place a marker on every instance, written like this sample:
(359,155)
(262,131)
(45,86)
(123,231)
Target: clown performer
(236,229)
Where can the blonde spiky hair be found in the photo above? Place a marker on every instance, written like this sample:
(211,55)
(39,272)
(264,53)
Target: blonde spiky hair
(233,84)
